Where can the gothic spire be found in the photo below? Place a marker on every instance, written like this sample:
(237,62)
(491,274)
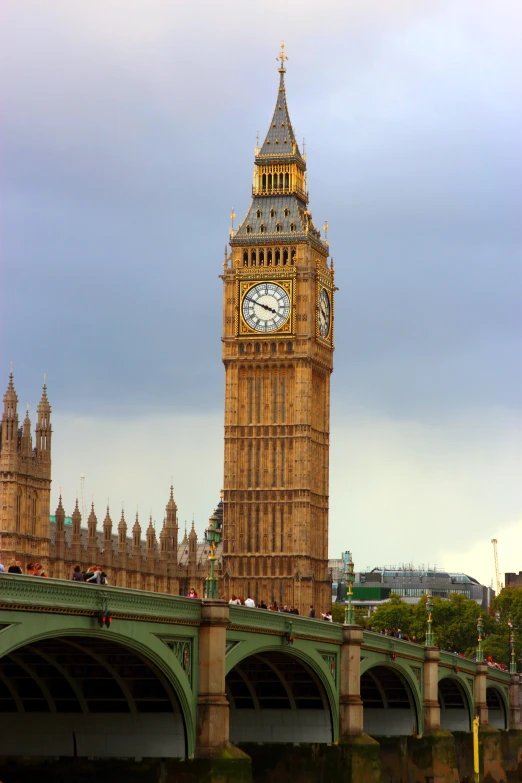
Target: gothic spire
(280,139)
(59,515)
(43,426)
(26,444)
(107,528)
(279,212)
(10,395)
(122,533)
(76,519)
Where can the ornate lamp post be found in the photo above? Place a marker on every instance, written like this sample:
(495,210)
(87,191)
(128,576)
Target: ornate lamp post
(429,610)
(214,537)
(512,663)
(349,612)
(480,628)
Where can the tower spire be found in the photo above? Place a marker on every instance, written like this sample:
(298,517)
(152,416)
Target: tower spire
(280,140)
(10,417)
(43,427)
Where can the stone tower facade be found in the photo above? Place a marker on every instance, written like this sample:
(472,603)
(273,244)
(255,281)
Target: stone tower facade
(278,356)
(25,480)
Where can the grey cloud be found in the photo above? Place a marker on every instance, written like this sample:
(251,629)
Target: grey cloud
(126,147)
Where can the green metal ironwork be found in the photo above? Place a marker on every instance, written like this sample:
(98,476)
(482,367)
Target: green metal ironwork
(429,627)
(165,630)
(349,612)
(213,537)
(513,662)
(480,629)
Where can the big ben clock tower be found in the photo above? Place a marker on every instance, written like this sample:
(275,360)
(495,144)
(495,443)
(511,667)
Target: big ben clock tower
(278,356)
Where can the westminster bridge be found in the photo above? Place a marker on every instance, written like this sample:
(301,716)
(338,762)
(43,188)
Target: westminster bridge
(106,673)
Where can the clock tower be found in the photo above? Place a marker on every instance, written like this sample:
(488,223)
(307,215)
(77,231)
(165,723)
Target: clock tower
(278,356)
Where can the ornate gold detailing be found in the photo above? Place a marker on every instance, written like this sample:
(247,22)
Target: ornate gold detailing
(282,57)
(324,281)
(325,229)
(247,285)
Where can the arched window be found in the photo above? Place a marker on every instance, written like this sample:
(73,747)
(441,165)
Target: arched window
(273,348)
(269,258)
(277,256)
(287,181)
(262,229)
(287,211)
(278,227)
(241,347)
(249,229)
(258,213)
(293,255)
(258,348)
(253,258)
(292,226)
(264,182)
(261,258)
(281,181)
(285,256)
(269,182)
(272,212)
(245,258)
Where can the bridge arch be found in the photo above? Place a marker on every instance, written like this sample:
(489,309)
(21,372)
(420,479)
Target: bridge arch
(66,678)
(498,708)
(391,699)
(456,704)
(280,694)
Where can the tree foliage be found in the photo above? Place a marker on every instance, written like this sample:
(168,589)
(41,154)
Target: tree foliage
(454,622)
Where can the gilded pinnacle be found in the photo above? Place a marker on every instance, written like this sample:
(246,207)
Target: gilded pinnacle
(282,57)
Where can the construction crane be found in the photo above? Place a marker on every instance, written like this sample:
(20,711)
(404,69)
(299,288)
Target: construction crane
(497,568)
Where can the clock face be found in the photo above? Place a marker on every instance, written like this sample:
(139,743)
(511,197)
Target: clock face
(324,313)
(266,307)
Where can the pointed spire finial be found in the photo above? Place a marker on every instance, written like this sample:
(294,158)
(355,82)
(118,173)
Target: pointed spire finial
(325,228)
(282,57)
(232,217)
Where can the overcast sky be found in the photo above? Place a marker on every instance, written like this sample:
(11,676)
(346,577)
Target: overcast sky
(127,135)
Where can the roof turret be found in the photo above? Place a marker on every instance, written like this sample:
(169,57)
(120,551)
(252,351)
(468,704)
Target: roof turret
(92,523)
(59,515)
(10,401)
(76,519)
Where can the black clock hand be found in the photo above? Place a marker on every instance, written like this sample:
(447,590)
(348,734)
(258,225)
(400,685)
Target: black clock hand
(265,307)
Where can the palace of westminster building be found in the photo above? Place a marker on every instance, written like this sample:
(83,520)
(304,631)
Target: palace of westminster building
(278,296)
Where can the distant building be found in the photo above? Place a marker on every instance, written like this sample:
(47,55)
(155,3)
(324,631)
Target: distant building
(513,580)
(373,588)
